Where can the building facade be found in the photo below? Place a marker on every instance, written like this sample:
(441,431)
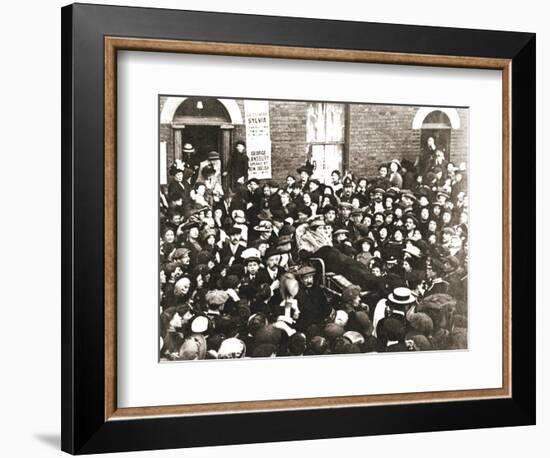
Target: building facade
(345,136)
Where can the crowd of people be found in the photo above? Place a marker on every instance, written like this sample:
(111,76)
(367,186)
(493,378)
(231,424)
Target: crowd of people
(244,269)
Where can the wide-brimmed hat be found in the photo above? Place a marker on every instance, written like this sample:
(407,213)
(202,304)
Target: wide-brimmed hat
(265,214)
(305,270)
(213,155)
(199,324)
(188,148)
(308,168)
(316,221)
(401,296)
(264,226)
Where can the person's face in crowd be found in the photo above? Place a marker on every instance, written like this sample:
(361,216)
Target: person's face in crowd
(176,321)
(253,267)
(290,181)
(348,190)
(330,216)
(218,213)
(362,185)
(375,270)
(273,261)
(379,219)
(327,230)
(407,265)
(355,202)
(162,277)
(365,246)
(423,201)
(456,242)
(416,235)
(398,212)
(211,264)
(302,217)
(177,218)
(267,191)
(367,220)
(446,217)
(285,199)
(430,273)
(211,240)
(436,210)
(262,247)
(176,274)
(307,198)
(179,177)
(185,285)
(431,142)
(439,174)
(409,224)
(458,176)
(463,218)
(235,238)
(439,155)
(398,236)
(185,260)
(194,232)
(326,201)
(389,218)
(200,281)
(240,148)
(335,177)
(320,230)
(177,202)
(432,226)
(388,203)
(383,171)
(304,176)
(201,189)
(383,233)
(307,280)
(169,236)
(432,239)
(341,237)
(393,167)
(407,201)
(357,218)
(346,211)
(446,237)
(424,214)
(292,286)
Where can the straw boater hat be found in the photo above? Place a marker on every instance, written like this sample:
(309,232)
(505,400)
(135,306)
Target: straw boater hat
(264,226)
(188,148)
(401,296)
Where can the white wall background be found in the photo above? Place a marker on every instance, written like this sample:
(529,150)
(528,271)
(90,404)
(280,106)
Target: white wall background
(30,229)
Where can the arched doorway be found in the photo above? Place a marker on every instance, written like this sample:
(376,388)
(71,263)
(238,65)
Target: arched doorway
(205,123)
(438,126)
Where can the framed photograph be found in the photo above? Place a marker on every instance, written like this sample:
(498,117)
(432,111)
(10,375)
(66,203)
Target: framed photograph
(284,228)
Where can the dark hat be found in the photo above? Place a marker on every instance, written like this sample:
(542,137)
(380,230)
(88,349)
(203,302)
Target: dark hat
(394,328)
(229,282)
(213,155)
(316,181)
(305,270)
(278,215)
(409,194)
(410,215)
(350,293)
(273,184)
(328,208)
(346,205)
(304,209)
(357,212)
(252,180)
(378,191)
(392,192)
(233,230)
(287,229)
(268,335)
(332,330)
(271,251)
(265,350)
(319,345)
(297,344)
(189,225)
(308,168)
(347,182)
(422,323)
(240,142)
(265,214)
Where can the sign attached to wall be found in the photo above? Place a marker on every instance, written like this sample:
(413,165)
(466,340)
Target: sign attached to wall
(258,138)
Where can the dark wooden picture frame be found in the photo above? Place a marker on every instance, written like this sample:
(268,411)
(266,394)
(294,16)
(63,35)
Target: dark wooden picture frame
(91,37)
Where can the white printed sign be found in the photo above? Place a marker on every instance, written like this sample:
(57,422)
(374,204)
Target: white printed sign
(258,138)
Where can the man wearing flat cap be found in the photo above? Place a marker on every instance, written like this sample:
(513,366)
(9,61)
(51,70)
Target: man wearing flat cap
(312,302)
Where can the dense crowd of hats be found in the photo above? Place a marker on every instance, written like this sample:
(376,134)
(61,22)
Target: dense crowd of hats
(240,275)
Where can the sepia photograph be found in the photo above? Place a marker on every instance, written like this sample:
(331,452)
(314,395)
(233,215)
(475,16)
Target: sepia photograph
(292,228)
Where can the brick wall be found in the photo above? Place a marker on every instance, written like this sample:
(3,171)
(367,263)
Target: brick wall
(377,133)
